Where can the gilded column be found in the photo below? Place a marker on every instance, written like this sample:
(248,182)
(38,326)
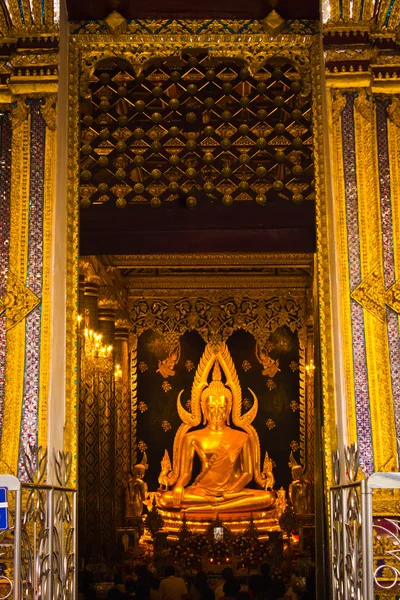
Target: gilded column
(388,140)
(5,212)
(122,414)
(88,468)
(106,407)
(364,201)
(28,320)
(90,313)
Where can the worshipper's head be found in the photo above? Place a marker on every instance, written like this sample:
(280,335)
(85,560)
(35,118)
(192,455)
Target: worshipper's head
(207,594)
(200,581)
(130,586)
(114,594)
(231,588)
(141,571)
(154,582)
(256,585)
(265,569)
(169,570)
(227,573)
(142,589)
(243,596)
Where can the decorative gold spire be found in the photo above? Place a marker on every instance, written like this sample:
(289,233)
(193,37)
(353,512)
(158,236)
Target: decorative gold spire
(216,375)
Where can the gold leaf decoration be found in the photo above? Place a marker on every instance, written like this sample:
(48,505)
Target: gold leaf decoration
(166,386)
(18,301)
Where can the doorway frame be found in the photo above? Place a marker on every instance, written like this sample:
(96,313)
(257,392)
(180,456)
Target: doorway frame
(301,45)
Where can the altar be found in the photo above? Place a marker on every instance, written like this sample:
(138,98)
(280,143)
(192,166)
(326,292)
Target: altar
(214,399)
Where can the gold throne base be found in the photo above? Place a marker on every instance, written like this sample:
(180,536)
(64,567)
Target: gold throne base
(237,523)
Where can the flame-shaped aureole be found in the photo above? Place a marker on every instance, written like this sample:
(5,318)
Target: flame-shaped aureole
(193,418)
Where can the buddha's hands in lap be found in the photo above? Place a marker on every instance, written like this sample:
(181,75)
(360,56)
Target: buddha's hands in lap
(177,496)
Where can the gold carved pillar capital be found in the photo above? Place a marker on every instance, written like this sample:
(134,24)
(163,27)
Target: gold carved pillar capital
(19,112)
(393,111)
(106,317)
(48,111)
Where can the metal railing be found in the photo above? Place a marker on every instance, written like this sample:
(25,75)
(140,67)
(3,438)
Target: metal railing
(359,569)
(43,526)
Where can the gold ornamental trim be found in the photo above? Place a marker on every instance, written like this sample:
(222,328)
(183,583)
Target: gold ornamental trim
(373,297)
(337,104)
(19,213)
(72,272)
(323,271)
(17,302)
(393,125)
(375,330)
(200,260)
(48,113)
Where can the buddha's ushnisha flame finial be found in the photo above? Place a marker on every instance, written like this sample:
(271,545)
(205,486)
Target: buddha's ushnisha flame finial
(216,375)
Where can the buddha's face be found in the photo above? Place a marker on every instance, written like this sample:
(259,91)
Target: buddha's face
(217,409)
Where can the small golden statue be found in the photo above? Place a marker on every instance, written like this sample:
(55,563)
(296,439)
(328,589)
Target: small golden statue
(230,458)
(281,502)
(299,489)
(166,468)
(267,473)
(136,490)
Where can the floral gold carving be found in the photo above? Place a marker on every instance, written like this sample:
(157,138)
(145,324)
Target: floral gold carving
(393,111)
(48,111)
(18,301)
(393,297)
(338,104)
(20,112)
(370,294)
(363,104)
(216,319)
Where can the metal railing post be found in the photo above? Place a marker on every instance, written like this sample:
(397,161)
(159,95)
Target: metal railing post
(367,542)
(50,524)
(17,544)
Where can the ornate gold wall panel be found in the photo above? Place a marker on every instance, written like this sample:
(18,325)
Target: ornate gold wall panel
(394,150)
(363,149)
(27,300)
(377,355)
(20,160)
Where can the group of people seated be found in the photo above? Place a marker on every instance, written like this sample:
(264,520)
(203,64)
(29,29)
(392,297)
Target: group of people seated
(144,585)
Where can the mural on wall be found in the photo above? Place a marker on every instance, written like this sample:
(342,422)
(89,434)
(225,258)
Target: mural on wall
(272,372)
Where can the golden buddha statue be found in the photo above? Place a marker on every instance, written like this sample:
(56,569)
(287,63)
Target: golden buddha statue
(230,458)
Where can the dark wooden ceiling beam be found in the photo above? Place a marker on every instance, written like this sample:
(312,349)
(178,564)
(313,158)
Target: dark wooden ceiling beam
(181,9)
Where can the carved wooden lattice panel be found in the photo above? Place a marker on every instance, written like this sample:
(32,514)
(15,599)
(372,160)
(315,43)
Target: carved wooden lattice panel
(196,128)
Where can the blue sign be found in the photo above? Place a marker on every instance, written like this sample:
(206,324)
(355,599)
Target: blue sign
(3,508)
